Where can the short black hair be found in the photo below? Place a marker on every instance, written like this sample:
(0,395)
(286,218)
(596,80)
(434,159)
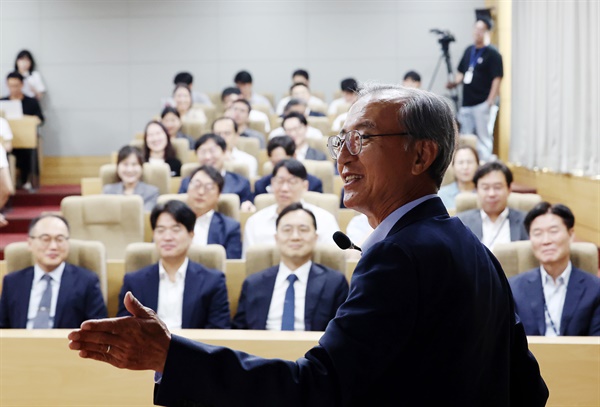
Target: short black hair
(349,85)
(218,119)
(178,210)
(242,77)
(293,166)
(230,91)
(213,174)
(244,101)
(543,208)
(169,109)
(297,115)
(15,75)
(296,206)
(295,85)
(413,76)
(492,166)
(25,54)
(294,102)
(35,221)
(125,152)
(285,142)
(301,72)
(183,77)
(220,141)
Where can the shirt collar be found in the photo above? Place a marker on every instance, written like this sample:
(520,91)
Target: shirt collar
(503,215)
(206,218)
(179,274)
(301,272)
(563,278)
(382,230)
(55,274)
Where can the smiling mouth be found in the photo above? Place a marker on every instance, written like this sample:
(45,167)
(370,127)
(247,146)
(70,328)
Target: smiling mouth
(349,178)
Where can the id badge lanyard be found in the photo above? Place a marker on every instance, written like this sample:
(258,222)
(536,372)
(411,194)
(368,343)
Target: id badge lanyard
(474,60)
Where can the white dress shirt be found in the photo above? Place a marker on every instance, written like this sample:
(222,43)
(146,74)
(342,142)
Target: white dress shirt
(495,232)
(240,156)
(555,293)
(38,287)
(170,295)
(5,131)
(278,298)
(3,158)
(301,152)
(260,227)
(201,228)
(31,82)
(358,229)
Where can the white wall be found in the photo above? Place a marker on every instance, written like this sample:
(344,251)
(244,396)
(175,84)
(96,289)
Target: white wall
(108,63)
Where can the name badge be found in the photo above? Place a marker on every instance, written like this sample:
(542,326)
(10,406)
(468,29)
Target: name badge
(468,77)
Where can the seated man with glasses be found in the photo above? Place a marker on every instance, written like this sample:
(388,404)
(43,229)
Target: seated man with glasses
(288,184)
(52,293)
(296,295)
(211,226)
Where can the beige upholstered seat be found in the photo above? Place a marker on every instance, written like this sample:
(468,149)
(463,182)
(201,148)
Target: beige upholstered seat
(249,145)
(139,255)
(87,254)
(180,145)
(115,220)
(155,174)
(468,139)
(321,123)
(228,205)
(238,168)
(258,125)
(517,257)
(523,202)
(263,256)
(319,144)
(329,202)
(320,169)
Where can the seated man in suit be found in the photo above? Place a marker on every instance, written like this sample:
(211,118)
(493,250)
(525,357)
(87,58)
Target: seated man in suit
(227,128)
(297,295)
(298,106)
(231,94)
(52,293)
(211,150)
(555,299)
(185,294)
(281,148)
(211,226)
(240,112)
(289,184)
(295,126)
(494,222)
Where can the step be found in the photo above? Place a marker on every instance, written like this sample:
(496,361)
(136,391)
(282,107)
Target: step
(46,195)
(19,218)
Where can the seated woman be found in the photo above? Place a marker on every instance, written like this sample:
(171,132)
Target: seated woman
(158,147)
(182,95)
(172,121)
(129,171)
(465,163)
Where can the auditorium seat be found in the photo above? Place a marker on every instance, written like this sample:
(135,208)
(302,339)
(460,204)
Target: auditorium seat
(156,174)
(180,145)
(523,202)
(83,253)
(262,256)
(321,145)
(249,145)
(142,254)
(329,202)
(321,123)
(517,257)
(115,220)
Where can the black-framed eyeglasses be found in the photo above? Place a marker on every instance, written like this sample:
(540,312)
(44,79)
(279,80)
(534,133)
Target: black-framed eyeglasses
(353,140)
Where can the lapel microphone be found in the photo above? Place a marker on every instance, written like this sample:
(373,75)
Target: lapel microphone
(344,242)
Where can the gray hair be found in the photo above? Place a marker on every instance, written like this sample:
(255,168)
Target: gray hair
(426,116)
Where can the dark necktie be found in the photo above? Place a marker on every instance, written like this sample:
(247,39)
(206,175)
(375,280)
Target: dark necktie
(42,319)
(287,320)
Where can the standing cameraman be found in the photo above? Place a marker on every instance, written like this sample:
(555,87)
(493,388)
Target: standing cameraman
(480,71)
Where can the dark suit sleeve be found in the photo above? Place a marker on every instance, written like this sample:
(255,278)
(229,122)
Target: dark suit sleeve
(184,185)
(233,241)
(239,320)
(122,312)
(246,193)
(175,165)
(150,199)
(4,316)
(595,322)
(218,313)
(341,292)
(95,308)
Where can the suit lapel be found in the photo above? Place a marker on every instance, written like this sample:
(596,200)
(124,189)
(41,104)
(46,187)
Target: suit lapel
(216,225)
(264,296)
(430,208)
(575,290)
(513,225)
(23,287)
(314,288)
(537,301)
(194,279)
(67,282)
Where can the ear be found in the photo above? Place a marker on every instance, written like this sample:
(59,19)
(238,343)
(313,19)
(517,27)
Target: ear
(425,154)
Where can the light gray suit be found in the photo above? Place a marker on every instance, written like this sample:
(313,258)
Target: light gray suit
(472,220)
(149,193)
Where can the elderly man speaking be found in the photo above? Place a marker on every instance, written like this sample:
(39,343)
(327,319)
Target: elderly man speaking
(429,319)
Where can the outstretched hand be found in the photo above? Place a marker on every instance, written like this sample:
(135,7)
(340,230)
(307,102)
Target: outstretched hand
(139,342)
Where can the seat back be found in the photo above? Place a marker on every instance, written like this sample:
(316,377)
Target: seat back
(329,202)
(87,254)
(523,202)
(517,257)
(321,123)
(249,145)
(180,145)
(157,174)
(228,205)
(141,254)
(115,220)
(319,144)
(263,256)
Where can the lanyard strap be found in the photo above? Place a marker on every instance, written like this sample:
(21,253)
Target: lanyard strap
(550,318)
(475,55)
(497,233)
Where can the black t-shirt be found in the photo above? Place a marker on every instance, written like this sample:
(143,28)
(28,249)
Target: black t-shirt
(487,67)
(31,107)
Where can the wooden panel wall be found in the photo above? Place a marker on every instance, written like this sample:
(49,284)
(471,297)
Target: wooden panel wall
(70,170)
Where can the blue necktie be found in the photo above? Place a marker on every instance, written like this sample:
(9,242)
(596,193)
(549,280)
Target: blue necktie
(42,319)
(287,320)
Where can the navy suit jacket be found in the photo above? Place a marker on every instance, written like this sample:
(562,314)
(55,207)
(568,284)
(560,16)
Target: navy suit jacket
(225,231)
(79,298)
(260,186)
(429,320)
(472,219)
(205,302)
(234,184)
(581,312)
(326,290)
